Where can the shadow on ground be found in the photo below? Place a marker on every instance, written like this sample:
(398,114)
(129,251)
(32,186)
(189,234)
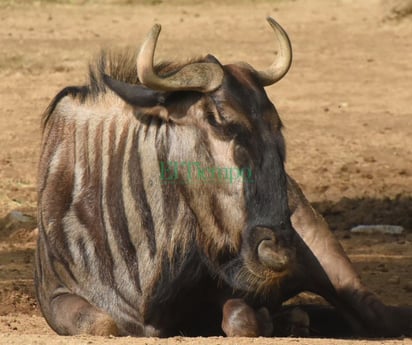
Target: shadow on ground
(347,213)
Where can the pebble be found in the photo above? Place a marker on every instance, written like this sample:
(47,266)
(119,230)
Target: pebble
(378,228)
(17,216)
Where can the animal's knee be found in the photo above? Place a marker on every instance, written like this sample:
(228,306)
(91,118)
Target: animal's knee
(95,322)
(72,315)
(241,320)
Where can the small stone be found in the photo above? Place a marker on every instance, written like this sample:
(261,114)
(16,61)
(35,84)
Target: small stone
(378,228)
(394,280)
(17,216)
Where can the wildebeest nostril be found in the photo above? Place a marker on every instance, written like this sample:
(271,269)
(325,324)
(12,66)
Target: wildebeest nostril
(268,247)
(270,255)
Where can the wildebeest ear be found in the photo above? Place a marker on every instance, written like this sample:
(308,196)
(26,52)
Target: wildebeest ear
(137,95)
(211,58)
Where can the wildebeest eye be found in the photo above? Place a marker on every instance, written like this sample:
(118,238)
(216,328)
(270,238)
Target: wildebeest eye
(211,119)
(227,129)
(237,132)
(233,130)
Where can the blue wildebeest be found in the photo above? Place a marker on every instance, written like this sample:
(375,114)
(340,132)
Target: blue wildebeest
(122,251)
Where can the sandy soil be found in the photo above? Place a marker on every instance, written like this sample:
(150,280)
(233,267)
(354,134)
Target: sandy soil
(346,105)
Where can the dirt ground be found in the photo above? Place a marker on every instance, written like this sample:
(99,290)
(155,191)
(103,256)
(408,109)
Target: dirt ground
(346,105)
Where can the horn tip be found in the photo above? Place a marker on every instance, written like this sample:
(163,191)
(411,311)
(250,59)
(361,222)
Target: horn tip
(156,28)
(271,21)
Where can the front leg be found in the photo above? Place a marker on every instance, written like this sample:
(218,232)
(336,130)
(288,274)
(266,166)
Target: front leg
(241,320)
(333,276)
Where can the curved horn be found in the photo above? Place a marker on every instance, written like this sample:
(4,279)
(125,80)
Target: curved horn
(201,76)
(281,66)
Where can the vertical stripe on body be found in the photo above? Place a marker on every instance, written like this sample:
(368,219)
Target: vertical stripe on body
(89,204)
(114,199)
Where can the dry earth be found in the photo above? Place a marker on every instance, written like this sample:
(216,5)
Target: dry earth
(346,105)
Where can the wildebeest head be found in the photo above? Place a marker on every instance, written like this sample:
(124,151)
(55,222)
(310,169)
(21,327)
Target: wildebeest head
(225,154)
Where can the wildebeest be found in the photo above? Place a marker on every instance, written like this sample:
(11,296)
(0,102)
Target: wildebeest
(130,245)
